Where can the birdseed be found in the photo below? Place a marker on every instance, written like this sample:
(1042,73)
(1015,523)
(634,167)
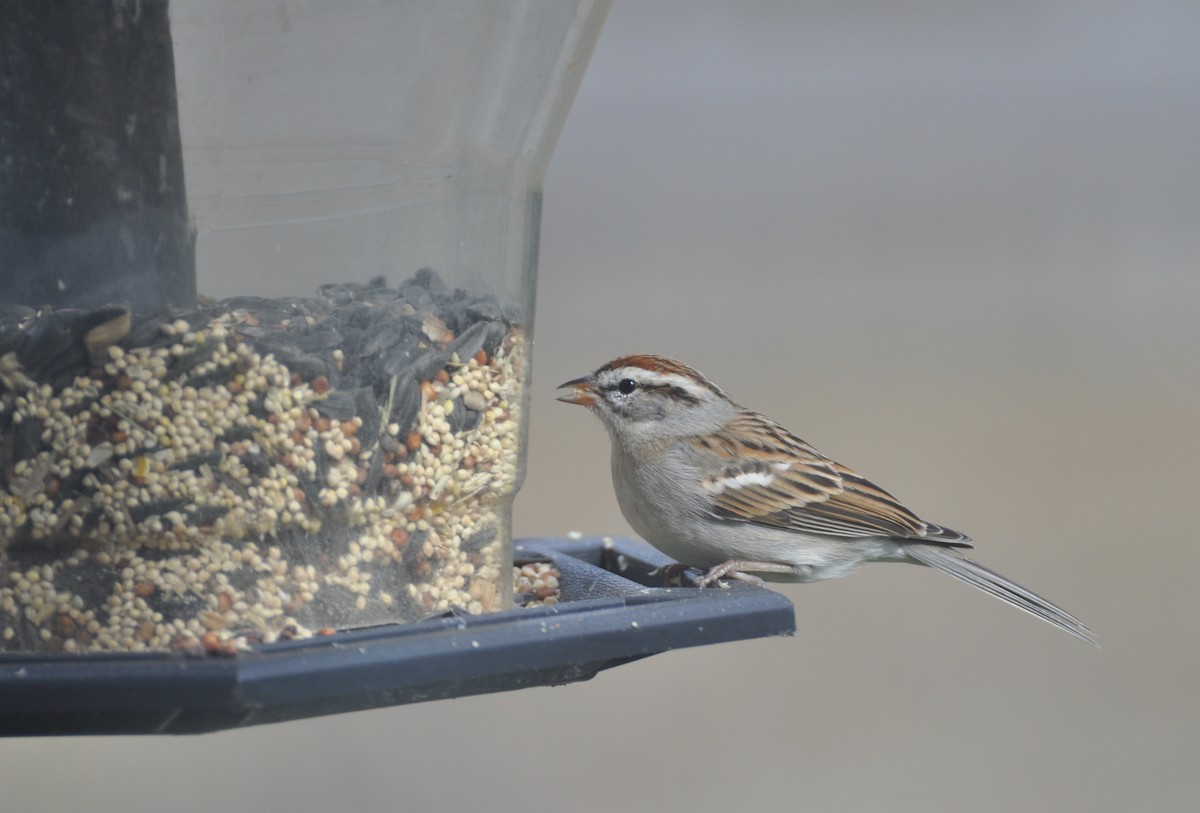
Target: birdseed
(255,469)
(536,584)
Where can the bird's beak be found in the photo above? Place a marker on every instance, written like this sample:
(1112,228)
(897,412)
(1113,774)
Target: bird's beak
(583,392)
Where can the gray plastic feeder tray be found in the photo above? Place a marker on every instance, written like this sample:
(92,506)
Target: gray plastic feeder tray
(608,615)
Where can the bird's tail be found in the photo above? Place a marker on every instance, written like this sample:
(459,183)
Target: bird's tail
(949,560)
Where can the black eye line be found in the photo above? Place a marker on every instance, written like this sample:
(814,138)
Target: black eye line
(676,393)
(617,386)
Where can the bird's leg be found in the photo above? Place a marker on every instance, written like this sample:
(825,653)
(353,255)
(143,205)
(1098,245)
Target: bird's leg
(736,569)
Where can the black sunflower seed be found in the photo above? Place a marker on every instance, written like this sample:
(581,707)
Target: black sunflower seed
(337,405)
(143,511)
(406,402)
(462,419)
(470,341)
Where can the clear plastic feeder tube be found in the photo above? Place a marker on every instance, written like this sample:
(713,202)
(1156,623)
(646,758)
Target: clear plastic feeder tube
(266,286)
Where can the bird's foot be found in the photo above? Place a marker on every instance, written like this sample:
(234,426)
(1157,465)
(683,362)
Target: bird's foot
(732,569)
(738,569)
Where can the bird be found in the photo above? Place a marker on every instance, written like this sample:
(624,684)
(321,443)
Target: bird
(719,487)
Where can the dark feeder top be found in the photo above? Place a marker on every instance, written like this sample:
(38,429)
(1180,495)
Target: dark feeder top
(92,202)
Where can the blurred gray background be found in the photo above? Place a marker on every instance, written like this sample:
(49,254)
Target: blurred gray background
(955,246)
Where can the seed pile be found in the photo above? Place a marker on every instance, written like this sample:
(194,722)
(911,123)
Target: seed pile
(535,584)
(255,469)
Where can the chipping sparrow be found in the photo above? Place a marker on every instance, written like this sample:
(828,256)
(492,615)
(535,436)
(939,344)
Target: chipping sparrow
(716,486)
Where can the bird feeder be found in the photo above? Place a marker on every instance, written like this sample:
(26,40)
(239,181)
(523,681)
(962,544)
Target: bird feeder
(266,289)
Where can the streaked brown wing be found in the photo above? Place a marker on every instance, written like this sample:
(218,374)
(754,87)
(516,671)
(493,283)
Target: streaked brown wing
(771,477)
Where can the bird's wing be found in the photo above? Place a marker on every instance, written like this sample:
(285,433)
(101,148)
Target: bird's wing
(766,475)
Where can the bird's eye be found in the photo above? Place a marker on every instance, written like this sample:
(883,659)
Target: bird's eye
(626,386)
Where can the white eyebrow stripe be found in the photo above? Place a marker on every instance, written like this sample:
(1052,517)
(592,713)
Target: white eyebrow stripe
(657,379)
(746,478)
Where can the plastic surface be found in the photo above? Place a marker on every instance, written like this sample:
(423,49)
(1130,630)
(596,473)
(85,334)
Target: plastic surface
(608,616)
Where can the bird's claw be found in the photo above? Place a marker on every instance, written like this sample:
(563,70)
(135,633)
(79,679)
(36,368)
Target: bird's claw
(728,569)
